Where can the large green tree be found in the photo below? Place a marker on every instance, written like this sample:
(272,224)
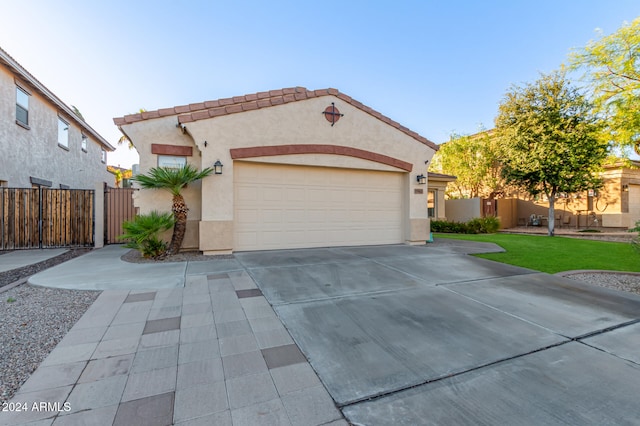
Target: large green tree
(549,139)
(174,180)
(612,67)
(473,160)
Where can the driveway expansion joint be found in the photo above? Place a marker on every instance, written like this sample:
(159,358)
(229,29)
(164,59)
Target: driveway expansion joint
(448,376)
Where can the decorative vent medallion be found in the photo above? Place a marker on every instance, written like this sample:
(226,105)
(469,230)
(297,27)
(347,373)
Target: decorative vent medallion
(332,114)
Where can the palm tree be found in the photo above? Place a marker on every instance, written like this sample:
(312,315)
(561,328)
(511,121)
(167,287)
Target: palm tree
(124,138)
(173,180)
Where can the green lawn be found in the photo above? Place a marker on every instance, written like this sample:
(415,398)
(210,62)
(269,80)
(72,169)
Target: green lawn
(557,254)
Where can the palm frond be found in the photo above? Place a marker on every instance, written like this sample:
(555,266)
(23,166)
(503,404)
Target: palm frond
(171,179)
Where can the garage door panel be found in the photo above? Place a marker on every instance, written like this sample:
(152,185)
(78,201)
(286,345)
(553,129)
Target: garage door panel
(295,194)
(247,194)
(246,217)
(283,206)
(271,216)
(293,217)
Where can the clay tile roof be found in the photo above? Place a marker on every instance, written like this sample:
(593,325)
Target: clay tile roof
(237,104)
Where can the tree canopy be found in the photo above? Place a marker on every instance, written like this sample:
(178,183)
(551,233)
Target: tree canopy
(549,139)
(612,68)
(474,161)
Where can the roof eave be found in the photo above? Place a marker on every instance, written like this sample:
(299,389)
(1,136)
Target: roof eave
(227,106)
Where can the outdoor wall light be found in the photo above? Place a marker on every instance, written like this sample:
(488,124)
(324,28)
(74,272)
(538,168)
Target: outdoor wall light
(625,188)
(217,167)
(421,179)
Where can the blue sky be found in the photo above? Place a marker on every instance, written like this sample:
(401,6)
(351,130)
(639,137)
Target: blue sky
(436,67)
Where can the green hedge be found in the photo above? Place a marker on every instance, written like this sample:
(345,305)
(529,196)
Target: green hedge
(478,225)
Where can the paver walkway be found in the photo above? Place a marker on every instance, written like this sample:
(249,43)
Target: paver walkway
(211,353)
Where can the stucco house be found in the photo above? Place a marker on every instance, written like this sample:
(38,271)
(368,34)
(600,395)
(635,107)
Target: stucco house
(616,205)
(43,142)
(300,168)
(436,197)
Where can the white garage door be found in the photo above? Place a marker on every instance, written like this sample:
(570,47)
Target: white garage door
(281,206)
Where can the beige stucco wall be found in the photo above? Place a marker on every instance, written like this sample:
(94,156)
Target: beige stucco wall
(298,122)
(34,152)
(463,210)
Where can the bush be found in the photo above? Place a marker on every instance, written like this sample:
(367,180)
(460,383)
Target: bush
(484,225)
(636,241)
(143,233)
(448,227)
(479,225)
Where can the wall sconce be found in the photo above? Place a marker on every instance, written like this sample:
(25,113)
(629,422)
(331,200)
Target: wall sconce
(217,167)
(421,179)
(625,188)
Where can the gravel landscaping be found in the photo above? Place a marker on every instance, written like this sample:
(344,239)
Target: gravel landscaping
(619,281)
(34,320)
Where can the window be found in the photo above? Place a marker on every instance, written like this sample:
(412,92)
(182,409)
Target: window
(171,161)
(63,133)
(432,202)
(22,107)
(103,155)
(84,143)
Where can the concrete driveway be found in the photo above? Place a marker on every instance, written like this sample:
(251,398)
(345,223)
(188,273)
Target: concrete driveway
(429,335)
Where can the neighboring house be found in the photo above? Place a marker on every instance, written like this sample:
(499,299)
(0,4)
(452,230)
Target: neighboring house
(436,198)
(121,176)
(301,168)
(619,199)
(43,142)
(615,205)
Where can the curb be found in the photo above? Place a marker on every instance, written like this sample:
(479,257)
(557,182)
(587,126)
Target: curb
(14,284)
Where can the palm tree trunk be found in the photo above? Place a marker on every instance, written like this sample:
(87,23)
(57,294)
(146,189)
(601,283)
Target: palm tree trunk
(180,210)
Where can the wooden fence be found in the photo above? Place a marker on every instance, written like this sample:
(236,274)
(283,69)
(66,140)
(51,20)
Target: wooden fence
(46,218)
(118,207)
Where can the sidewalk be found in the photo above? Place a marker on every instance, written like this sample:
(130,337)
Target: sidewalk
(209,352)
(20,258)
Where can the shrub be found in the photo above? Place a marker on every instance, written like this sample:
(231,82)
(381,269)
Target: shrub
(636,241)
(483,225)
(479,225)
(143,233)
(448,227)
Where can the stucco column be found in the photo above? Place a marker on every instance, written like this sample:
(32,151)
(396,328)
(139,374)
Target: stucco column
(216,226)
(418,227)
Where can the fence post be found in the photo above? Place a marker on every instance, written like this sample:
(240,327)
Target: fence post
(98,214)
(39,216)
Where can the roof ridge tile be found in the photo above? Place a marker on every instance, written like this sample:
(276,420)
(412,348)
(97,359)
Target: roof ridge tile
(265,99)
